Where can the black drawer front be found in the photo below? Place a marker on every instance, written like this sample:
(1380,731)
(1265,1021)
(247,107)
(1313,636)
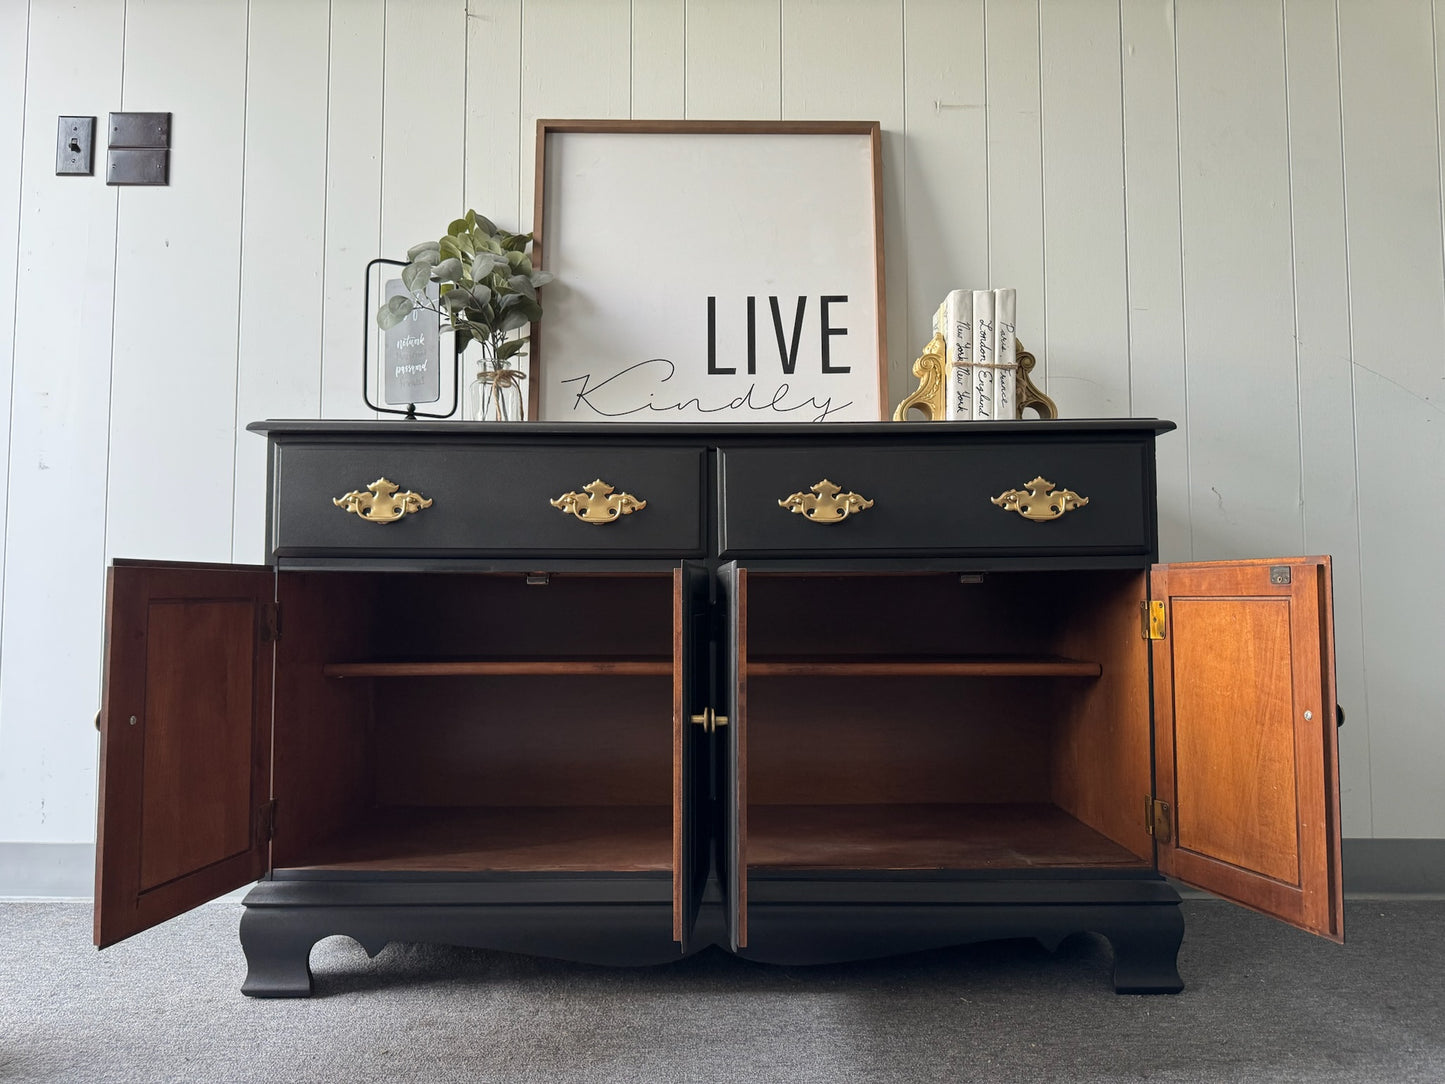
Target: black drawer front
(938,501)
(486,499)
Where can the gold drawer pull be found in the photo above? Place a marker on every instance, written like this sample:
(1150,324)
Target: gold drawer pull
(825,503)
(383,504)
(1039,500)
(598,503)
(710,721)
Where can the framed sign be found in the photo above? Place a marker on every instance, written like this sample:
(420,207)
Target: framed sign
(709,271)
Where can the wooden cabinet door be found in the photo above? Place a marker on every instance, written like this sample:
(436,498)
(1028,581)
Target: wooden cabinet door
(1246,757)
(691,665)
(185,740)
(732,747)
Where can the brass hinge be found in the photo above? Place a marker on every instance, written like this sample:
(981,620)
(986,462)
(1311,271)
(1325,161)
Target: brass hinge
(270,622)
(266,822)
(1151,620)
(1158,819)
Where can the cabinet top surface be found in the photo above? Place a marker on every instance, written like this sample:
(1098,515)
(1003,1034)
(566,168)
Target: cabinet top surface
(708,433)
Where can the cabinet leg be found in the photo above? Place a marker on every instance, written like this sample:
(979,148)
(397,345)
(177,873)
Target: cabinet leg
(1146,951)
(278,953)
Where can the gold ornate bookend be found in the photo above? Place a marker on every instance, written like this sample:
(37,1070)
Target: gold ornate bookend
(825,503)
(929,399)
(932,372)
(382,504)
(598,503)
(1039,500)
(1028,393)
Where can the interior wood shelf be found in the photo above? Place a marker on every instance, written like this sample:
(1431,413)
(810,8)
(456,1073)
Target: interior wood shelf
(623,667)
(921,666)
(961,836)
(503,838)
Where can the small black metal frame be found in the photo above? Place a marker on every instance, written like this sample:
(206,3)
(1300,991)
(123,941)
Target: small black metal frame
(366,333)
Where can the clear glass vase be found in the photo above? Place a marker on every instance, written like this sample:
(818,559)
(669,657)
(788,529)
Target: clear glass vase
(495,394)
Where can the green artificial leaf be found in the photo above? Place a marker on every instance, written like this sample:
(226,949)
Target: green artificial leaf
(460,225)
(485,263)
(449,270)
(468,244)
(415,275)
(519,262)
(482,223)
(510,348)
(522,285)
(517,242)
(426,248)
(491,244)
(462,336)
(479,330)
(394,311)
(455,300)
(449,248)
(524,312)
(541,278)
(481,295)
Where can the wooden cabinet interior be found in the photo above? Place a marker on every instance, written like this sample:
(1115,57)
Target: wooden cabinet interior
(434,721)
(933,722)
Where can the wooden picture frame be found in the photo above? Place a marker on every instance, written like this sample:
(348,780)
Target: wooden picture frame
(709,271)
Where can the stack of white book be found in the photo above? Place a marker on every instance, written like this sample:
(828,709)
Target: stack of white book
(981,353)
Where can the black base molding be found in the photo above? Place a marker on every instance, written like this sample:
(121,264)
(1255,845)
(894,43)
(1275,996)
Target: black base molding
(627,921)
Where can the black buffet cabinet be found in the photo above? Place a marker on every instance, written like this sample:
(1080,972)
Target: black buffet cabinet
(616,693)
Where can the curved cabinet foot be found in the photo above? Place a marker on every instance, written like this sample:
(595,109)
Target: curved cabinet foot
(278,954)
(1146,952)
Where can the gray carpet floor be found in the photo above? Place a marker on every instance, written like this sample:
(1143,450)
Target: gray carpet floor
(1262,1003)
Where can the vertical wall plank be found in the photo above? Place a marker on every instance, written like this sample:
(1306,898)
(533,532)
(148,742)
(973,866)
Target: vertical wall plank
(494,104)
(733,62)
(1392,169)
(283,210)
(844,61)
(1015,168)
(59,410)
(177,288)
(353,196)
(1330,504)
(1155,258)
(658,58)
(14,35)
(945,195)
(423,121)
(1086,286)
(575,63)
(1238,280)
(1388,74)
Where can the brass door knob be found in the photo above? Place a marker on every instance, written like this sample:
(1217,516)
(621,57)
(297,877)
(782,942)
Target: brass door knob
(710,720)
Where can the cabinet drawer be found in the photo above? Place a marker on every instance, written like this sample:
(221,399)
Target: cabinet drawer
(486,499)
(938,500)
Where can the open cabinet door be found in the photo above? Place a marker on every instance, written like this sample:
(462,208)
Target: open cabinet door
(1246,756)
(185,740)
(690,666)
(732,749)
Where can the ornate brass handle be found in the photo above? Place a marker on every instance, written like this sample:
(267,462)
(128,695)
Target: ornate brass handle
(382,504)
(1039,500)
(825,503)
(709,720)
(598,503)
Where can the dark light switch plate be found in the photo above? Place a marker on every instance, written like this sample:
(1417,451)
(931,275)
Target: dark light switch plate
(135,165)
(75,146)
(140,130)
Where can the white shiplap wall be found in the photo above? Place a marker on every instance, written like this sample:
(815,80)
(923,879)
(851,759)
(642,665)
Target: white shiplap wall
(1225,212)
